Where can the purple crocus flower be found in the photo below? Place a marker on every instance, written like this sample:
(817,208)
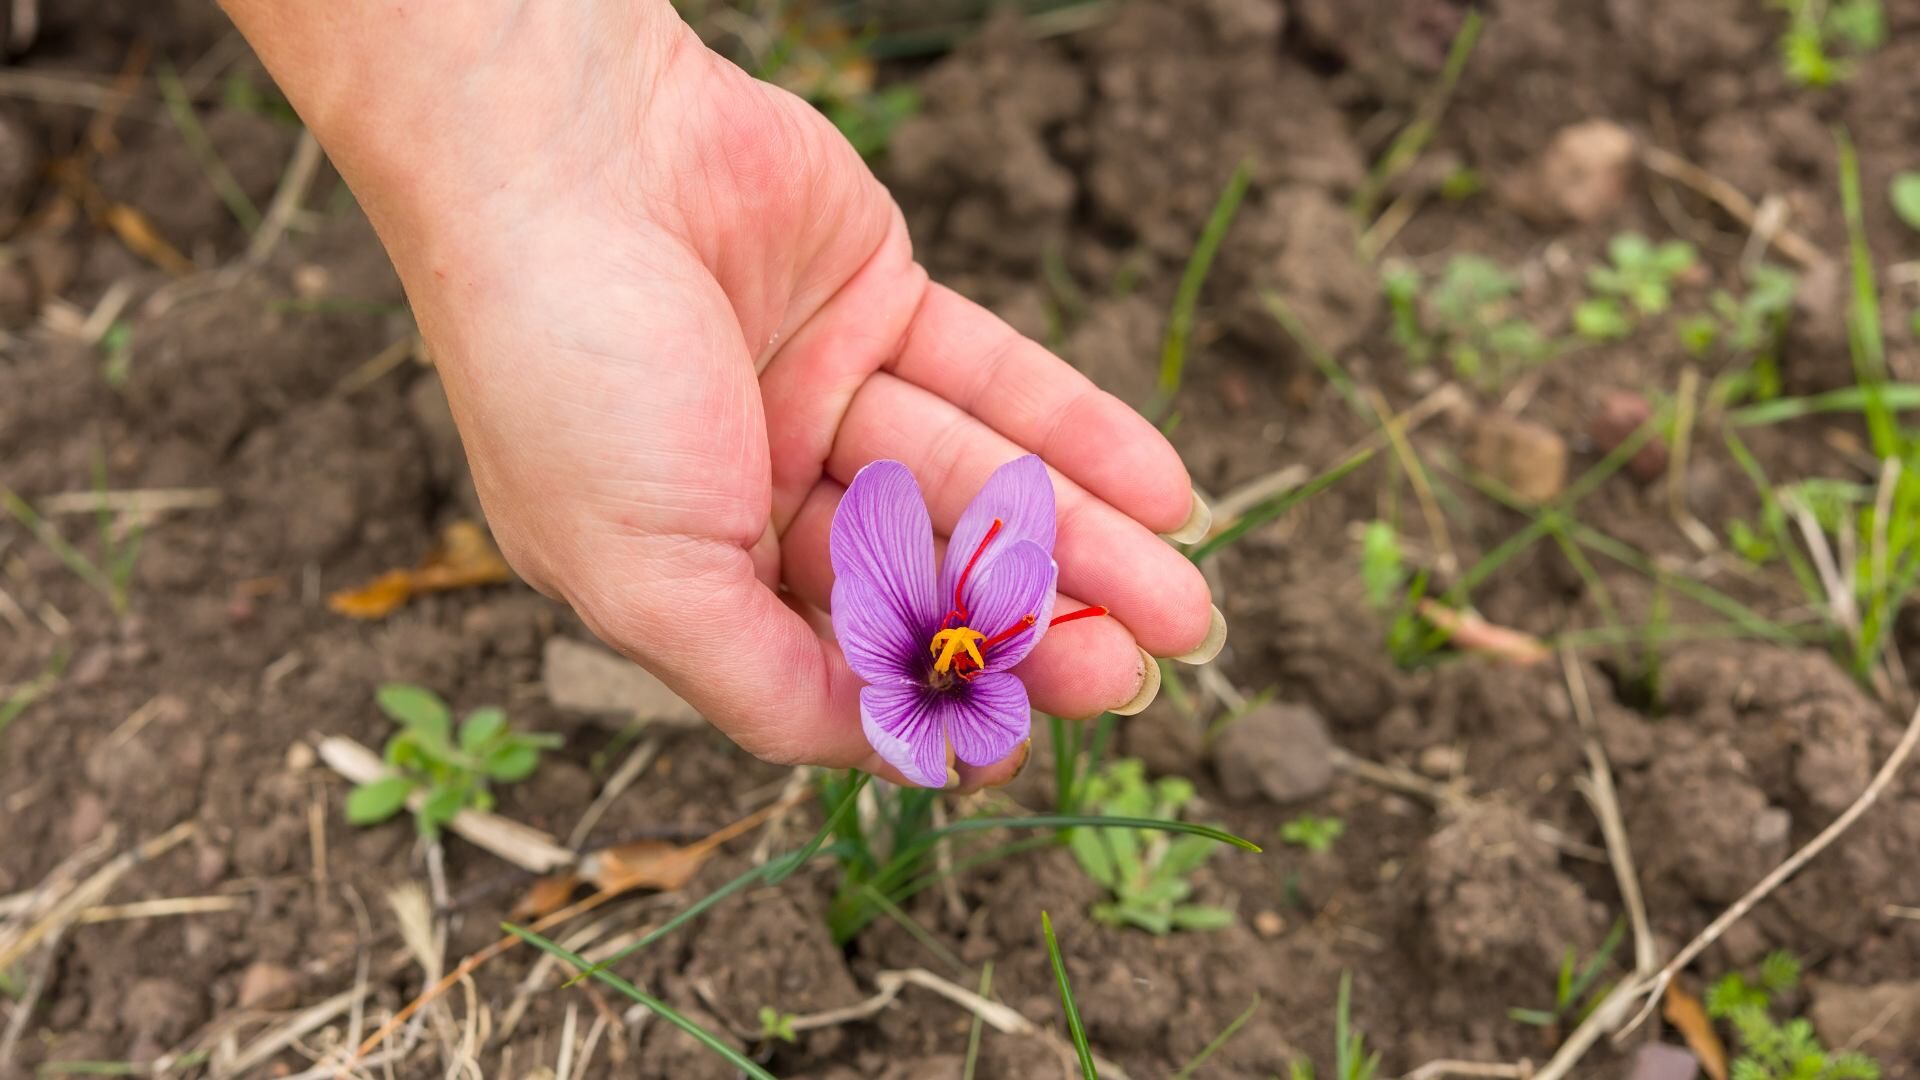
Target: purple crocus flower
(935,651)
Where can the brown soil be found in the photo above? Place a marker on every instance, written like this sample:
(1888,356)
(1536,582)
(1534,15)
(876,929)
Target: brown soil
(1097,154)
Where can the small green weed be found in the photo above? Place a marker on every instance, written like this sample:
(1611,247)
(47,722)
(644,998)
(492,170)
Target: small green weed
(1411,640)
(1350,1058)
(1817,29)
(1574,992)
(1769,1050)
(1750,328)
(1467,316)
(1313,832)
(455,773)
(1075,1028)
(1146,872)
(1638,278)
(775,1024)
(1904,193)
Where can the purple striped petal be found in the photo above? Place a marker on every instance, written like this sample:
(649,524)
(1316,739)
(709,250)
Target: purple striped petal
(907,726)
(1020,495)
(1017,583)
(988,718)
(884,605)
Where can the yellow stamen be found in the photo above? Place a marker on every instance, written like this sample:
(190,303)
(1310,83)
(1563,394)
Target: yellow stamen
(947,643)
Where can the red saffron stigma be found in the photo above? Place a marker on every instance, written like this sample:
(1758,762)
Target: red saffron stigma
(1083,613)
(1026,622)
(959,606)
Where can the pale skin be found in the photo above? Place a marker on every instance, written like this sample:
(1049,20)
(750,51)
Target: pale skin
(674,314)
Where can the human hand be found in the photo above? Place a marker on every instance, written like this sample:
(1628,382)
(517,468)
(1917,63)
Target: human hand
(675,314)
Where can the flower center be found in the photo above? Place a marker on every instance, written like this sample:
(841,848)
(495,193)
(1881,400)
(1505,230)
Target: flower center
(960,650)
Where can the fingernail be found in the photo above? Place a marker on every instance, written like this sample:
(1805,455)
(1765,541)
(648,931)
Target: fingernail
(1023,755)
(1199,522)
(1210,648)
(1149,687)
(953,779)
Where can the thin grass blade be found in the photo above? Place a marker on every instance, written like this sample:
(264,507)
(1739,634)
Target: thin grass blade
(1074,1027)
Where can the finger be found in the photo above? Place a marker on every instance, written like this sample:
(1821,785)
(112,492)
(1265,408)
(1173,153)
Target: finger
(960,351)
(1105,556)
(1079,669)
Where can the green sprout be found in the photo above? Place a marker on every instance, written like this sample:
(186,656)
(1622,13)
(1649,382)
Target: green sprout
(1817,29)
(1350,1058)
(1146,873)
(1642,272)
(1574,992)
(1316,834)
(1769,1050)
(1904,193)
(775,1024)
(454,773)
(1467,316)
(1751,326)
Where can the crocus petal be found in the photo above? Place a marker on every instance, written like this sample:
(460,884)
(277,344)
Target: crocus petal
(884,604)
(1020,495)
(907,727)
(1018,582)
(988,718)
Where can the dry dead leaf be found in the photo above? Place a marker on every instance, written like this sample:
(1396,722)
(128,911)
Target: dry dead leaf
(464,558)
(1475,634)
(544,897)
(1689,1017)
(141,238)
(646,864)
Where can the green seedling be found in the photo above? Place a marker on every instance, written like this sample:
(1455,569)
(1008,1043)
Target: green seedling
(1316,834)
(1075,1028)
(1575,992)
(1466,316)
(116,354)
(454,773)
(1642,273)
(1817,30)
(1351,1061)
(1904,193)
(1146,873)
(775,1024)
(1768,1049)
(1411,640)
(1751,327)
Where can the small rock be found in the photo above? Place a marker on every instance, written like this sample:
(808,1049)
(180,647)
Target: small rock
(88,818)
(1442,762)
(1586,169)
(1281,751)
(300,757)
(1662,1061)
(585,678)
(1884,1017)
(1269,924)
(1529,459)
(161,1008)
(268,986)
(1621,413)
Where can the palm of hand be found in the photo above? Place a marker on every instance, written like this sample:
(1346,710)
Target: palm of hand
(669,365)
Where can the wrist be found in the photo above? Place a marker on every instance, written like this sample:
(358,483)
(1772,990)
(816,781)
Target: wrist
(424,110)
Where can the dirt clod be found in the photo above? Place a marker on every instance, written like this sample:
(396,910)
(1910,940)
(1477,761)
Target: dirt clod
(266,985)
(1526,457)
(586,678)
(1496,903)
(1280,751)
(1583,175)
(1881,1020)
